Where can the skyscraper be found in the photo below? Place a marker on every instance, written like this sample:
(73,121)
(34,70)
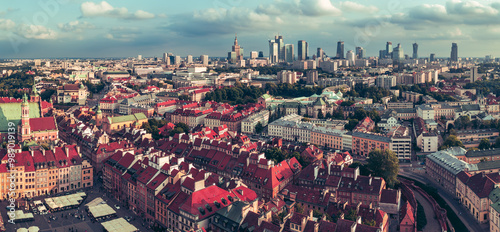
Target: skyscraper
(204,60)
(166,59)
(454,52)
(415,51)
(320,54)
(303,48)
(388,50)
(139,57)
(261,54)
(340,50)
(289,55)
(351,57)
(433,57)
(398,53)
(473,74)
(189,59)
(360,52)
(254,54)
(273,51)
(236,54)
(281,48)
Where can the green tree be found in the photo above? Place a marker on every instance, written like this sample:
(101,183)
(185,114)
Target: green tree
(298,208)
(184,97)
(259,128)
(351,215)
(451,141)
(484,144)
(384,164)
(369,222)
(320,114)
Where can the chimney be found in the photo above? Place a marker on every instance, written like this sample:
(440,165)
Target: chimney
(66,149)
(43,151)
(316,225)
(32,152)
(78,149)
(370,181)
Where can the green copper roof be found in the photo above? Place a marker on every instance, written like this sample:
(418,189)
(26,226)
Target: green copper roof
(495,198)
(11,112)
(126,118)
(266,96)
(319,102)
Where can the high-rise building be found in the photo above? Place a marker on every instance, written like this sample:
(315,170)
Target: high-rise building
(320,54)
(398,53)
(454,52)
(177,60)
(473,74)
(273,51)
(340,50)
(236,54)
(351,57)
(165,58)
(360,52)
(261,54)
(139,57)
(432,57)
(254,54)
(303,48)
(281,48)
(312,77)
(289,55)
(382,54)
(204,60)
(189,59)
(415,51)
(388,50)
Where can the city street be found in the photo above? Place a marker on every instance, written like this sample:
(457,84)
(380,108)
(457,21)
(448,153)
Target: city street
(459,209)
(66,220)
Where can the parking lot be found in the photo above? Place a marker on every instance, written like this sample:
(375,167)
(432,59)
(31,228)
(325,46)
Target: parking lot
(74,219)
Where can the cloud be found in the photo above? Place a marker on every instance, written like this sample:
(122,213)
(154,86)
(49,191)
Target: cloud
(75,26)
(104,9)
(318,8)
(356,7)
(121,36)
(6,24)
(37,32)
(462,8)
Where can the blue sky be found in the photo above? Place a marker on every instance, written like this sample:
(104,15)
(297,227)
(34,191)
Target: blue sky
(113,28)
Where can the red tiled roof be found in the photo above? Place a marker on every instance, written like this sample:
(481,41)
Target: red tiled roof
(42,124)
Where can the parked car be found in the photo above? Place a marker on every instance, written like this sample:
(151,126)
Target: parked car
(117,206)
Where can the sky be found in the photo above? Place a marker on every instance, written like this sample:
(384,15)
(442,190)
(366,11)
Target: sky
(127,28)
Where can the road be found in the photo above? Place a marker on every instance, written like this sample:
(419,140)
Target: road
(460,210)
(432,222)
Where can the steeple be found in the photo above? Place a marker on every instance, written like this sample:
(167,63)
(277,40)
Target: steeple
(25,99)
(34,91)
(235,39)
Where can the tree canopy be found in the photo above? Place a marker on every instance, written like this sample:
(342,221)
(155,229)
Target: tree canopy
(384,164)
(451,141)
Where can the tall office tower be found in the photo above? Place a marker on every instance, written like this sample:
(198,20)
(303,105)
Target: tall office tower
(351,57)
(236,54)
(312,77)
(254,54)
(388,50)
(139,57)
(340,50)
(189,59)
(165,57)
(381,54)
(360,52)
(273,51)
(433,57)
(281,48)
(261,54)
(454,52)
(320,53)
(303,48)
(177,60)
(204,60)
(397,53)
(289,55)
(415,51)
(473,74)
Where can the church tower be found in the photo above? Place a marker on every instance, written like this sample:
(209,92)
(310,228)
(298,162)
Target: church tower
(24,129)
(98,116)
(34,95)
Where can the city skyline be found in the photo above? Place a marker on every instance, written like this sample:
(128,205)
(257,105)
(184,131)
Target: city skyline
(72,28)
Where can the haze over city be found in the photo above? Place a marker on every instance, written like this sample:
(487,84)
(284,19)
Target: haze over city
(73,28)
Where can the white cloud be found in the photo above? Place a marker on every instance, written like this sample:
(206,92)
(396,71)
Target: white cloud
(469,8)
(6,24)
(37,32)
(123,37)
(356,7)
(104,9)
(318,8)
(75,26)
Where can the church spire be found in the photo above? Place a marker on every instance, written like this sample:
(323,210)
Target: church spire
(235,39)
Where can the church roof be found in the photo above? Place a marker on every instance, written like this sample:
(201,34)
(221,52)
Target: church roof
(11,112)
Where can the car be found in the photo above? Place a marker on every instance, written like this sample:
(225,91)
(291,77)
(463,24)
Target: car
(128,218)
(117,206)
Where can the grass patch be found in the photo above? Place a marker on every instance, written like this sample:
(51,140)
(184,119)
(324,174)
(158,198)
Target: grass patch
(421,218)
(457,224)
